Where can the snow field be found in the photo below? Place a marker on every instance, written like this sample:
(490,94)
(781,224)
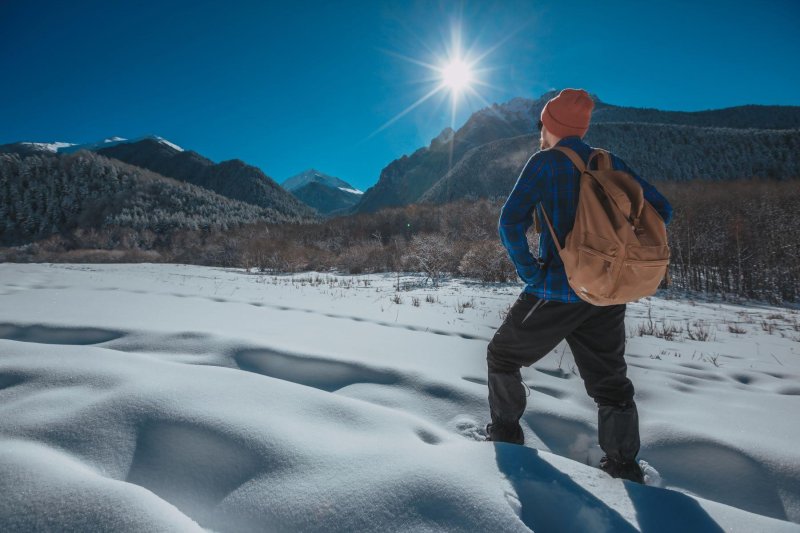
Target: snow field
(173,397)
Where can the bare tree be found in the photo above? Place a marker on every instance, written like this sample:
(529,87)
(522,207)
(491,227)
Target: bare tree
(429,253)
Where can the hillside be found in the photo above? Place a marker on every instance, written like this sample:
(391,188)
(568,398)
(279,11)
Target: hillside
(233,179)
(654,151)
(326,194)
(326,200)
(409,178)
(48,193)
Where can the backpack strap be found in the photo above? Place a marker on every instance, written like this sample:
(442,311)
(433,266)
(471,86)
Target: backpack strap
(629,200)
(552,231)
(574,157)
(617,195)
(578,162)
(603,159)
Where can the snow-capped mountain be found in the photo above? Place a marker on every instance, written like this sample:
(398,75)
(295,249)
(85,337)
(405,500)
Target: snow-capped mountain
(114,141)
(327,194)
(315,176)
(48,147)
(233,179)
(26,147)
(29,148)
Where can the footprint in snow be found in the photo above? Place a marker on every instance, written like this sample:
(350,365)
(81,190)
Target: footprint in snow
(468,427)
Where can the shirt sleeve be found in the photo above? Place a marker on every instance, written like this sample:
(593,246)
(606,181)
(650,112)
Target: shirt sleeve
(516,216)
(651,194)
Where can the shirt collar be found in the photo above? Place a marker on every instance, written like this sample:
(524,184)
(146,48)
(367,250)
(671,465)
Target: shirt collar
(572,140)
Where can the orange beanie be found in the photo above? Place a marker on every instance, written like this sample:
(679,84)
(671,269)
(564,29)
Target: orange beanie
(568,113)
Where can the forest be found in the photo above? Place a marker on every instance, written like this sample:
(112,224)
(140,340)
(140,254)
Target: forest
(734,239)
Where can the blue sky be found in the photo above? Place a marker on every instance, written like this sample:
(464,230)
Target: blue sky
(292,85)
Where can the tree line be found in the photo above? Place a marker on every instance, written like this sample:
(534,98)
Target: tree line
(45,194)
(734,239)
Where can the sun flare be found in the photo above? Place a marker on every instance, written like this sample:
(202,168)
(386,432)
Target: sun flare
(457,75)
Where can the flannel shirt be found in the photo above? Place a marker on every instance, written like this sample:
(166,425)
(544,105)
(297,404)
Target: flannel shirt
(551,178)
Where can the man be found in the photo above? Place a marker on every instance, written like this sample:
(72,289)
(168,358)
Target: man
(548,310)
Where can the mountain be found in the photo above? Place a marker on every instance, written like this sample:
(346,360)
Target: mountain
(47,193)
(315,176)
(742,117)
(26,148)
(404,180)
(327,200)
(484,172)
(654,151)
(105,143)
(233,179)
(407,179)
(327,194)
(29,148)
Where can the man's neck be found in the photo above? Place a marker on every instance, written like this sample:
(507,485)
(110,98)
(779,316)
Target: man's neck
(568,140)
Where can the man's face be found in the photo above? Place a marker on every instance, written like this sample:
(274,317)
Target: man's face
(544,144)
(544,138)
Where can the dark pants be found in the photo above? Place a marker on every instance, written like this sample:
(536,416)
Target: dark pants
(596,335)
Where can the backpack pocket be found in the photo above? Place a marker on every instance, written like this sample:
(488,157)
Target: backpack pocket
(636,253)
(594,268)
(644,268)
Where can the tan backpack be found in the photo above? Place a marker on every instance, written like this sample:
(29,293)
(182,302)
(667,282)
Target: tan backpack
(617,250)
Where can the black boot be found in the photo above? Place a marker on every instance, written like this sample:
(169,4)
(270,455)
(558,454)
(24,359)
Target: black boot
(501,433)
(626,470)
(507,400)
(618,432)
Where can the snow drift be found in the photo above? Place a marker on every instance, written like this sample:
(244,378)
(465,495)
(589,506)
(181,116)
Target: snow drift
(178,398)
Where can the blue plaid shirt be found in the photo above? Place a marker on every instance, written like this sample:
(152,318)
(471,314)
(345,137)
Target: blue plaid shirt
(550,177)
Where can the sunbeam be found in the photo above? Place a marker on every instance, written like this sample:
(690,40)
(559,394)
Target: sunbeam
(404,111)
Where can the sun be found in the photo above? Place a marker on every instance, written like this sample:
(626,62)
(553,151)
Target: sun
(457,75)
(456,71)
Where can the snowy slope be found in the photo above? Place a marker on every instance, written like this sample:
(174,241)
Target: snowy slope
(181,398)
(113,141)
(67,148)
(315,176)
(49,147)
(353,191)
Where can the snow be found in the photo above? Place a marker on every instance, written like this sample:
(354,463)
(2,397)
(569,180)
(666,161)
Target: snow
(166,142)
(520,107)
(49,147)
(314,176)
(184,398)
(515,109)
(105,143)
(110,141)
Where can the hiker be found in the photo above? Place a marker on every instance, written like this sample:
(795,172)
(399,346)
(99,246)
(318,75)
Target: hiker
(549,310)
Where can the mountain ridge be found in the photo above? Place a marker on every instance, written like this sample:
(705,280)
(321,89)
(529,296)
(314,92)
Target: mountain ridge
(324,193)
(232,178)
(48,193)
(408,178)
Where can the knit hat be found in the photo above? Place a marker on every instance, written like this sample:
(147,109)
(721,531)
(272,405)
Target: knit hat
(568,113)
